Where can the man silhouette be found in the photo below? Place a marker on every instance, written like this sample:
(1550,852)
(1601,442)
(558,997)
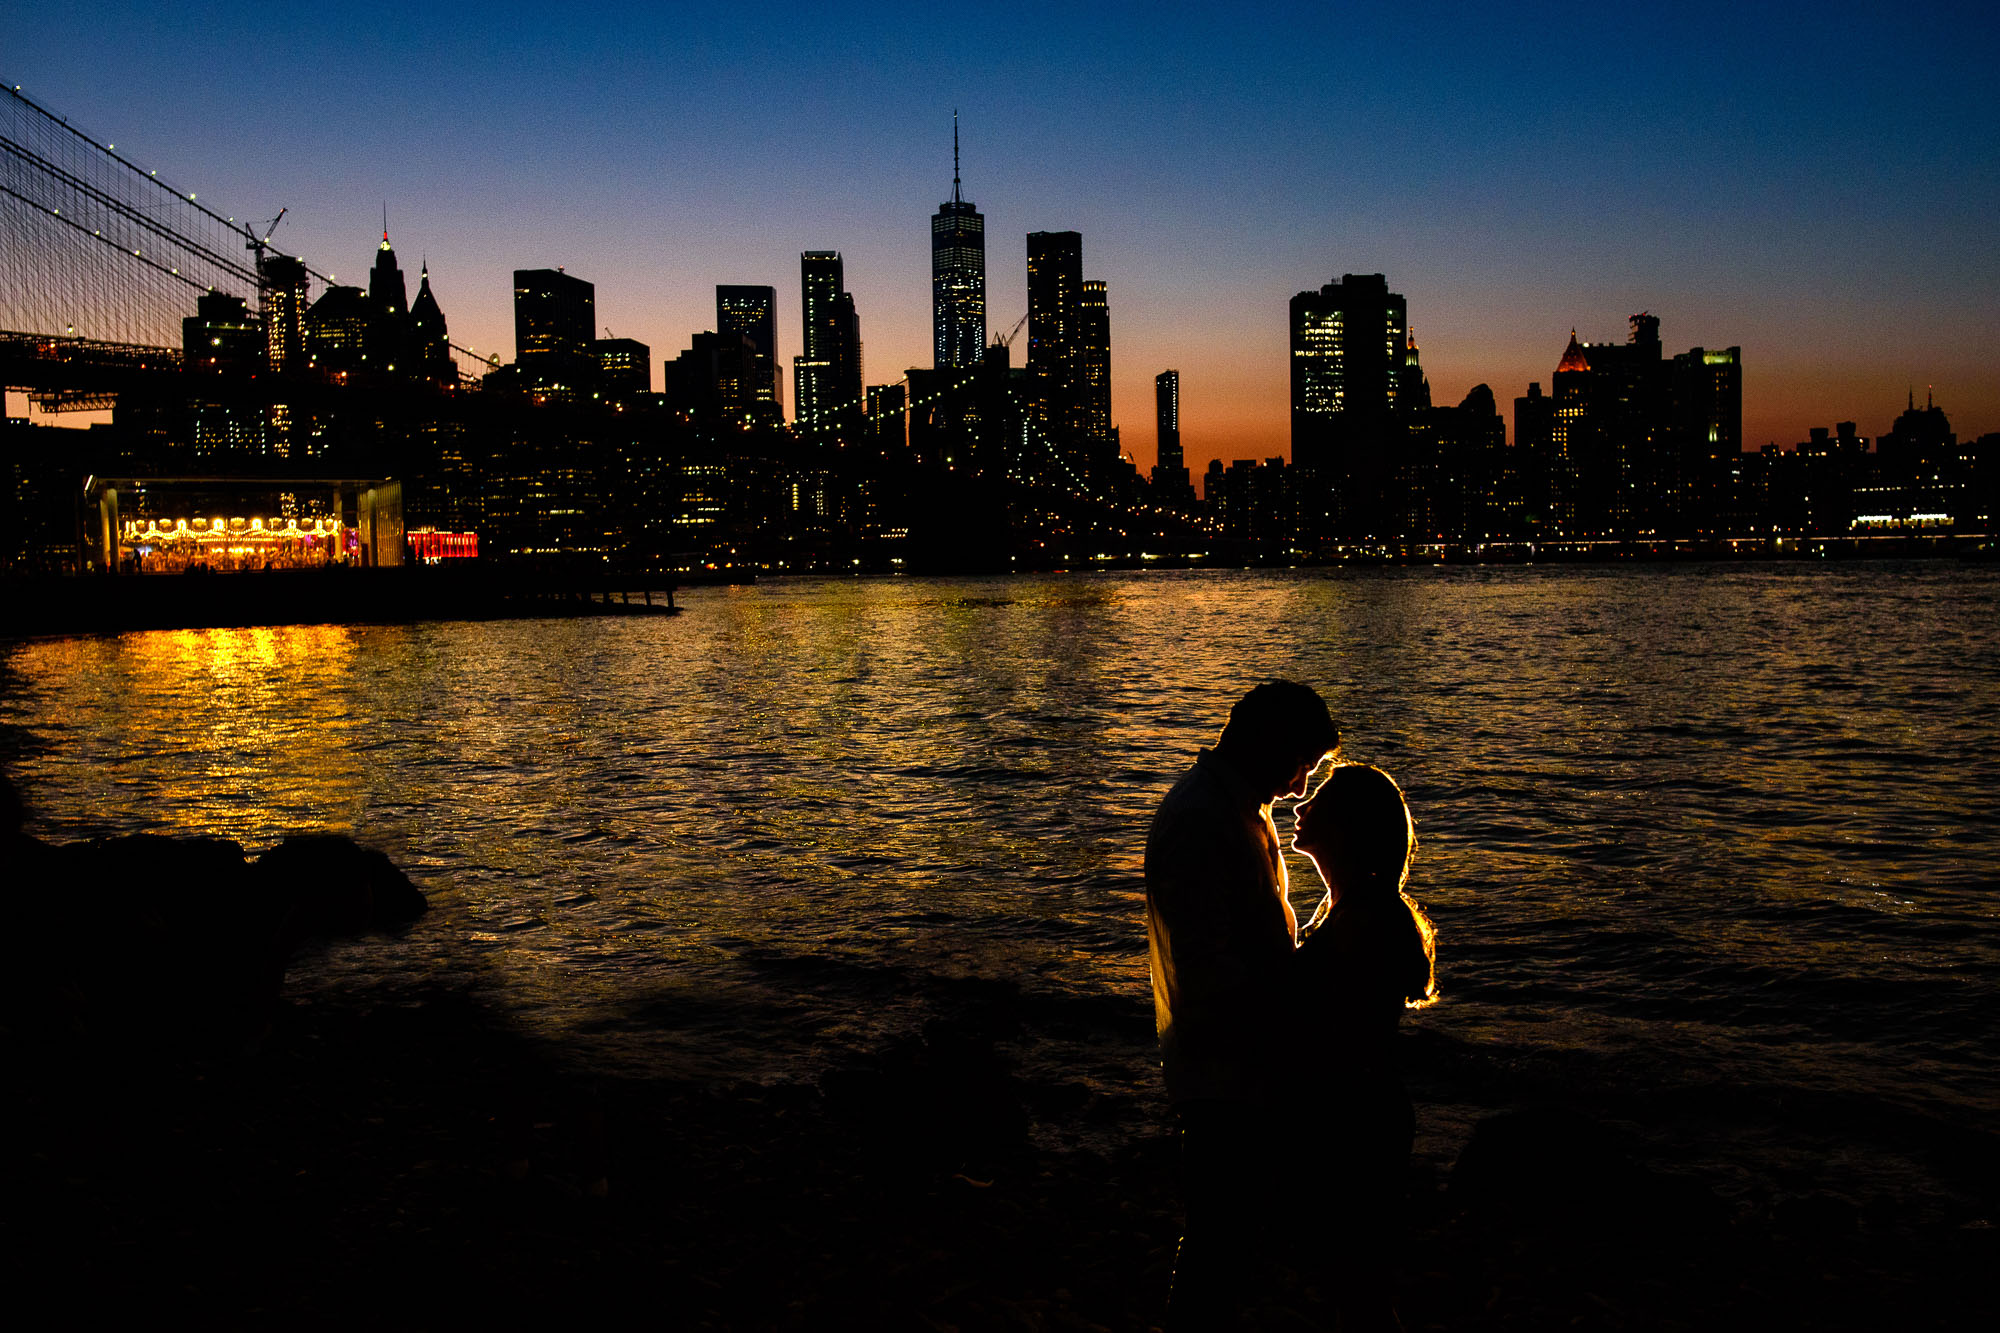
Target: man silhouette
(1220,933)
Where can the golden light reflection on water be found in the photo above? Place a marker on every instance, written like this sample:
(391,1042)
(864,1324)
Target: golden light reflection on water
(954,777)
(240,733)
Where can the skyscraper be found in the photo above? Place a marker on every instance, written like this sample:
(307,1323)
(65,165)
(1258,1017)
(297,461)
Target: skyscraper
(958,276)
(1458,480)
(1644,447)
(554,315)
(715,381)
(826,377)
(1708,431)
(283,283)
(385,280)
(1171,485)
(389,305)
(430,342)
(821,276)
(222,337)
(1055,327)
(1541,484)
(752,312)
(888,419)
(1611,432)
(284,291)
(1569,454)
(1352,373)
(625,366)
(222,340)
(337,329)
(1094,372)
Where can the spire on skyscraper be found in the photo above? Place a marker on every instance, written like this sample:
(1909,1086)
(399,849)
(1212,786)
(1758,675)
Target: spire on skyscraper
(430,343)
(955,198)
(1573,357)
(385,281)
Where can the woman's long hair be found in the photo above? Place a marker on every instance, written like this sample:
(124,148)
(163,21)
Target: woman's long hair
(1378,841)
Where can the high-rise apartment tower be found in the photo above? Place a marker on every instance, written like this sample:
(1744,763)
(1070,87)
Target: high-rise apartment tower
(1055,327)
(826,377)
(1171,485)
(1094,369)
(752,312)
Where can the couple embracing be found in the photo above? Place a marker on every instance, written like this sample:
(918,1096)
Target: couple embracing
(1277,1040)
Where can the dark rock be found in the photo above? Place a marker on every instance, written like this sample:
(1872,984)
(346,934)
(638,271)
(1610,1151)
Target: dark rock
(179,885)
(151,946)
(336,886)
(140,945)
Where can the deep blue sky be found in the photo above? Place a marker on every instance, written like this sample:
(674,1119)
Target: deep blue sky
(1817,184)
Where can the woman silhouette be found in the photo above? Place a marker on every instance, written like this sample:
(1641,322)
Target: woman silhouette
(1367,956)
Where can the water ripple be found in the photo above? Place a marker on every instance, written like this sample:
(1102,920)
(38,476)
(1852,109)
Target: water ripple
(1744,820)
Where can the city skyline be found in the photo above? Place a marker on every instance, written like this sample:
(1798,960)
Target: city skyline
(1843,241)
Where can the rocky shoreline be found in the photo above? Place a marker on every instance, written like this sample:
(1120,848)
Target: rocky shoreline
(417,1164)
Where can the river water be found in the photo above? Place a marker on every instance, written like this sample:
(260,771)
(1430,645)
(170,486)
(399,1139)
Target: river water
(1713,852)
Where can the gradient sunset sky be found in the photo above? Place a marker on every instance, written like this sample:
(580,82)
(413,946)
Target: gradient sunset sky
(1817,184)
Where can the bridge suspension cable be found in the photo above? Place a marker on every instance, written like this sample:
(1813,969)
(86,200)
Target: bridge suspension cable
(94,246)
(96,249)
(1057,471)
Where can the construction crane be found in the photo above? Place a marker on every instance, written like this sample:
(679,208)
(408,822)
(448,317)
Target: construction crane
(1008,341)
(257,246)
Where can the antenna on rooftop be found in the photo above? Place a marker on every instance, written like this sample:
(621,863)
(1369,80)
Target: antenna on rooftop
(954,157)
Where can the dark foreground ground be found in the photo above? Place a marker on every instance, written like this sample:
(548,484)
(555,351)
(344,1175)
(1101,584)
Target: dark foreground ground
(417,1166)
